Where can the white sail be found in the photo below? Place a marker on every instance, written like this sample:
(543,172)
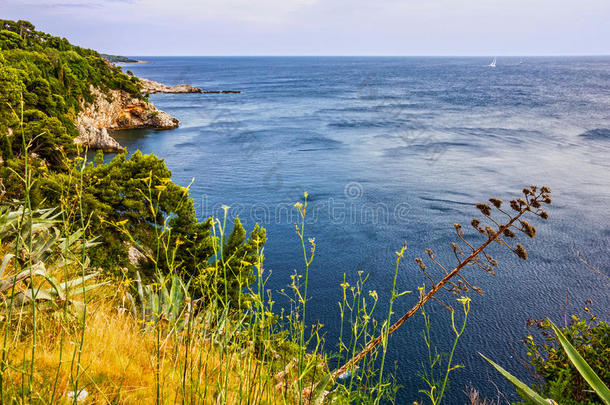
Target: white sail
(493,63)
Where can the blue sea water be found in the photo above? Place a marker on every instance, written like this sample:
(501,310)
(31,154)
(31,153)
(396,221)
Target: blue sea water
(398,149)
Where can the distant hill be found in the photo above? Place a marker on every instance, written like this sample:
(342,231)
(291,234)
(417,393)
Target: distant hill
(118,58)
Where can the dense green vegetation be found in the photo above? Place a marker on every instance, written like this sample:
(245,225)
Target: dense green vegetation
(118,58)
(558,377)
(53,78)
(44,81)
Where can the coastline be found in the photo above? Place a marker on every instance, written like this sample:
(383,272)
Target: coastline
(122,111)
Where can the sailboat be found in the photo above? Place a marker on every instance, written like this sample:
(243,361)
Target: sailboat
(493,63)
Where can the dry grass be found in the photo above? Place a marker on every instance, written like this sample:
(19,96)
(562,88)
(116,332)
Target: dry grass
(118,364)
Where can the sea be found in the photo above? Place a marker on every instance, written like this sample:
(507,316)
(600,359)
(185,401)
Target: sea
(395,150)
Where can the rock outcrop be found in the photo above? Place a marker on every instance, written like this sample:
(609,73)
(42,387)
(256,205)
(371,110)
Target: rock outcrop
(150,87)
(113,111)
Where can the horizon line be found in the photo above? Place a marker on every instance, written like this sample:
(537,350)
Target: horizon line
(370,56)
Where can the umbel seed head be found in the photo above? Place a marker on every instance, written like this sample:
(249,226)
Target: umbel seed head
(521,252)
(484,208)
(496,202)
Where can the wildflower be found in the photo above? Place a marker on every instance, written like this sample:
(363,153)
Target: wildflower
(463,300)
(80,396)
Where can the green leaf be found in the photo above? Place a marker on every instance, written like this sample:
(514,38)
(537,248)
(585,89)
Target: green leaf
(317,396)
(525,390)
(583,367)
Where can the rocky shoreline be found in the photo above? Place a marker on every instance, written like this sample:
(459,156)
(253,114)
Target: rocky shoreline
(151,87)
(117,110)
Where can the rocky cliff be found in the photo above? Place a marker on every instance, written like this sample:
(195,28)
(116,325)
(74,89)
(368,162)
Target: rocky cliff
(113,111)
(150,87)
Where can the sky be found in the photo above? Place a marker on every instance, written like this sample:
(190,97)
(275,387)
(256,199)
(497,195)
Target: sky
(324,27)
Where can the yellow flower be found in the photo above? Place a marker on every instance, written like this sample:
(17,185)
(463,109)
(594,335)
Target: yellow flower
(464,300)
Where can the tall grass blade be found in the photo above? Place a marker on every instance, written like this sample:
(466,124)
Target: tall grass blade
(522,387)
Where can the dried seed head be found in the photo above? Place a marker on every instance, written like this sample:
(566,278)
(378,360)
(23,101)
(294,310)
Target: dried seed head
(534,188)
(521,252)
(490,231)
(457,227)
(543,215)
(515,205)
(508,233)
(484,208)
(420,263)
(528,229)
(547,198)
(535,203)
(527,191)
(478,290)
(545,189)
(456,248)
(521,201)
(496,202)
(475,223)
(430,253)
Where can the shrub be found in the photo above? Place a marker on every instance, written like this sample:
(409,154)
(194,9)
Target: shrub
(560,380)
